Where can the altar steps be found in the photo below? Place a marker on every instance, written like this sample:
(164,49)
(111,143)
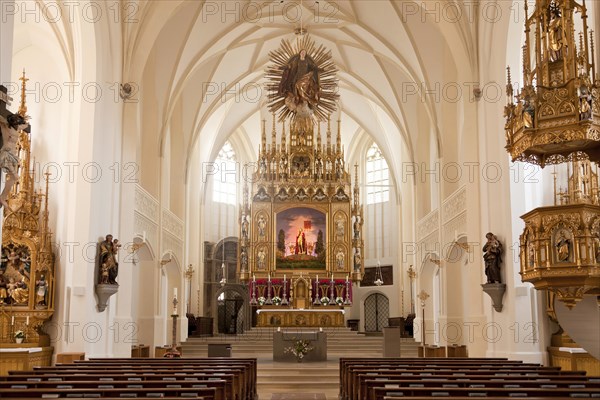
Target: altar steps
(258,343)
(305,377)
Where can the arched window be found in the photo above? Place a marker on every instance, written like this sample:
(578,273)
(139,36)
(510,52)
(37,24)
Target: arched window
(224,181)
(378,176)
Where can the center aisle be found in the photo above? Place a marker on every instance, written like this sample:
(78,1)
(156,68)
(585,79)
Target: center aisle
(307,378)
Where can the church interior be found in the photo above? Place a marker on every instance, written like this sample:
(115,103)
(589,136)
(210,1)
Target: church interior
(288,197)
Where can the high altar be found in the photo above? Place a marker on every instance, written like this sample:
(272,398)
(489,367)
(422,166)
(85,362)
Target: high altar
(301,242)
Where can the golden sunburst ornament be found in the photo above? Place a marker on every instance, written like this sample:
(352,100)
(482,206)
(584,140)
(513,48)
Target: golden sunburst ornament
(302,82)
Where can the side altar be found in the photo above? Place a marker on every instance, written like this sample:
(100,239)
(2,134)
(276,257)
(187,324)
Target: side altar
(27,270)
(301,244)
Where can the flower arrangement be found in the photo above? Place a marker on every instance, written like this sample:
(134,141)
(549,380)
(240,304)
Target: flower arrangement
(261,300)
(299,349)
(19,336)
(276,300)
(324,300)
(339,301)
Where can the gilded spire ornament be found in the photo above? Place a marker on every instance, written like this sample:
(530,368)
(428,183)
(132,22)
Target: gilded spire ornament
(555,117)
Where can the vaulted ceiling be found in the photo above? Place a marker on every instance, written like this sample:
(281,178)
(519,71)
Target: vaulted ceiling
(205,63)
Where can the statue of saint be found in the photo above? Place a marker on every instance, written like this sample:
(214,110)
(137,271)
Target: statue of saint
(8,153)
(340,227)
(41,289)
(244,259)
(493,257)
(262,224)
(563,246)
(19,291)
(245,227)
(339,257)
(109,267)
(300,82)
(356,228)
(261,259)
(555,34)
(357,260)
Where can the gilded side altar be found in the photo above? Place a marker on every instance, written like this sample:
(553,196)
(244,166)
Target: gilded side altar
(27,271)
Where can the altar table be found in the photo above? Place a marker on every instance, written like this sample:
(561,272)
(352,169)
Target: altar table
(320,317)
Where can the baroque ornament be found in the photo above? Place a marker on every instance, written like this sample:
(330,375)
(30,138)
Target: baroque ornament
(302,83)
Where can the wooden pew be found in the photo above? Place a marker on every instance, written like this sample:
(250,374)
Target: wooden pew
(379,393)
(246,378)
(467,383)
(236,376)
(208,393)
(234,388)
(251,376)
(74,385)
(359,377)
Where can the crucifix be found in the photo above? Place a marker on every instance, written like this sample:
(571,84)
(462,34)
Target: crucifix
(4,101)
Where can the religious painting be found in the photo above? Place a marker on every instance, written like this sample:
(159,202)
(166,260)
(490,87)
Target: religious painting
(301,233)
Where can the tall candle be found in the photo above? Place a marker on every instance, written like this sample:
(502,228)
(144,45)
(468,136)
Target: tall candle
(284,277)
(346,277)
(332,277)
(254,277)
(12,321)
(317,278)
(27,320)
(269,277)
(175,292)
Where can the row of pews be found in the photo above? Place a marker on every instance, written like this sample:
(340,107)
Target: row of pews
(204,378)
(422,378)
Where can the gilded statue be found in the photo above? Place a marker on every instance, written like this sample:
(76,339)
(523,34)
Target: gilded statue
(563,246)
(300,83)
(493,257)
(109,267)
(555,33)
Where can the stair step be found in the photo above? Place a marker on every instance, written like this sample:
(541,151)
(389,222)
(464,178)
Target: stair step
(306,377)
